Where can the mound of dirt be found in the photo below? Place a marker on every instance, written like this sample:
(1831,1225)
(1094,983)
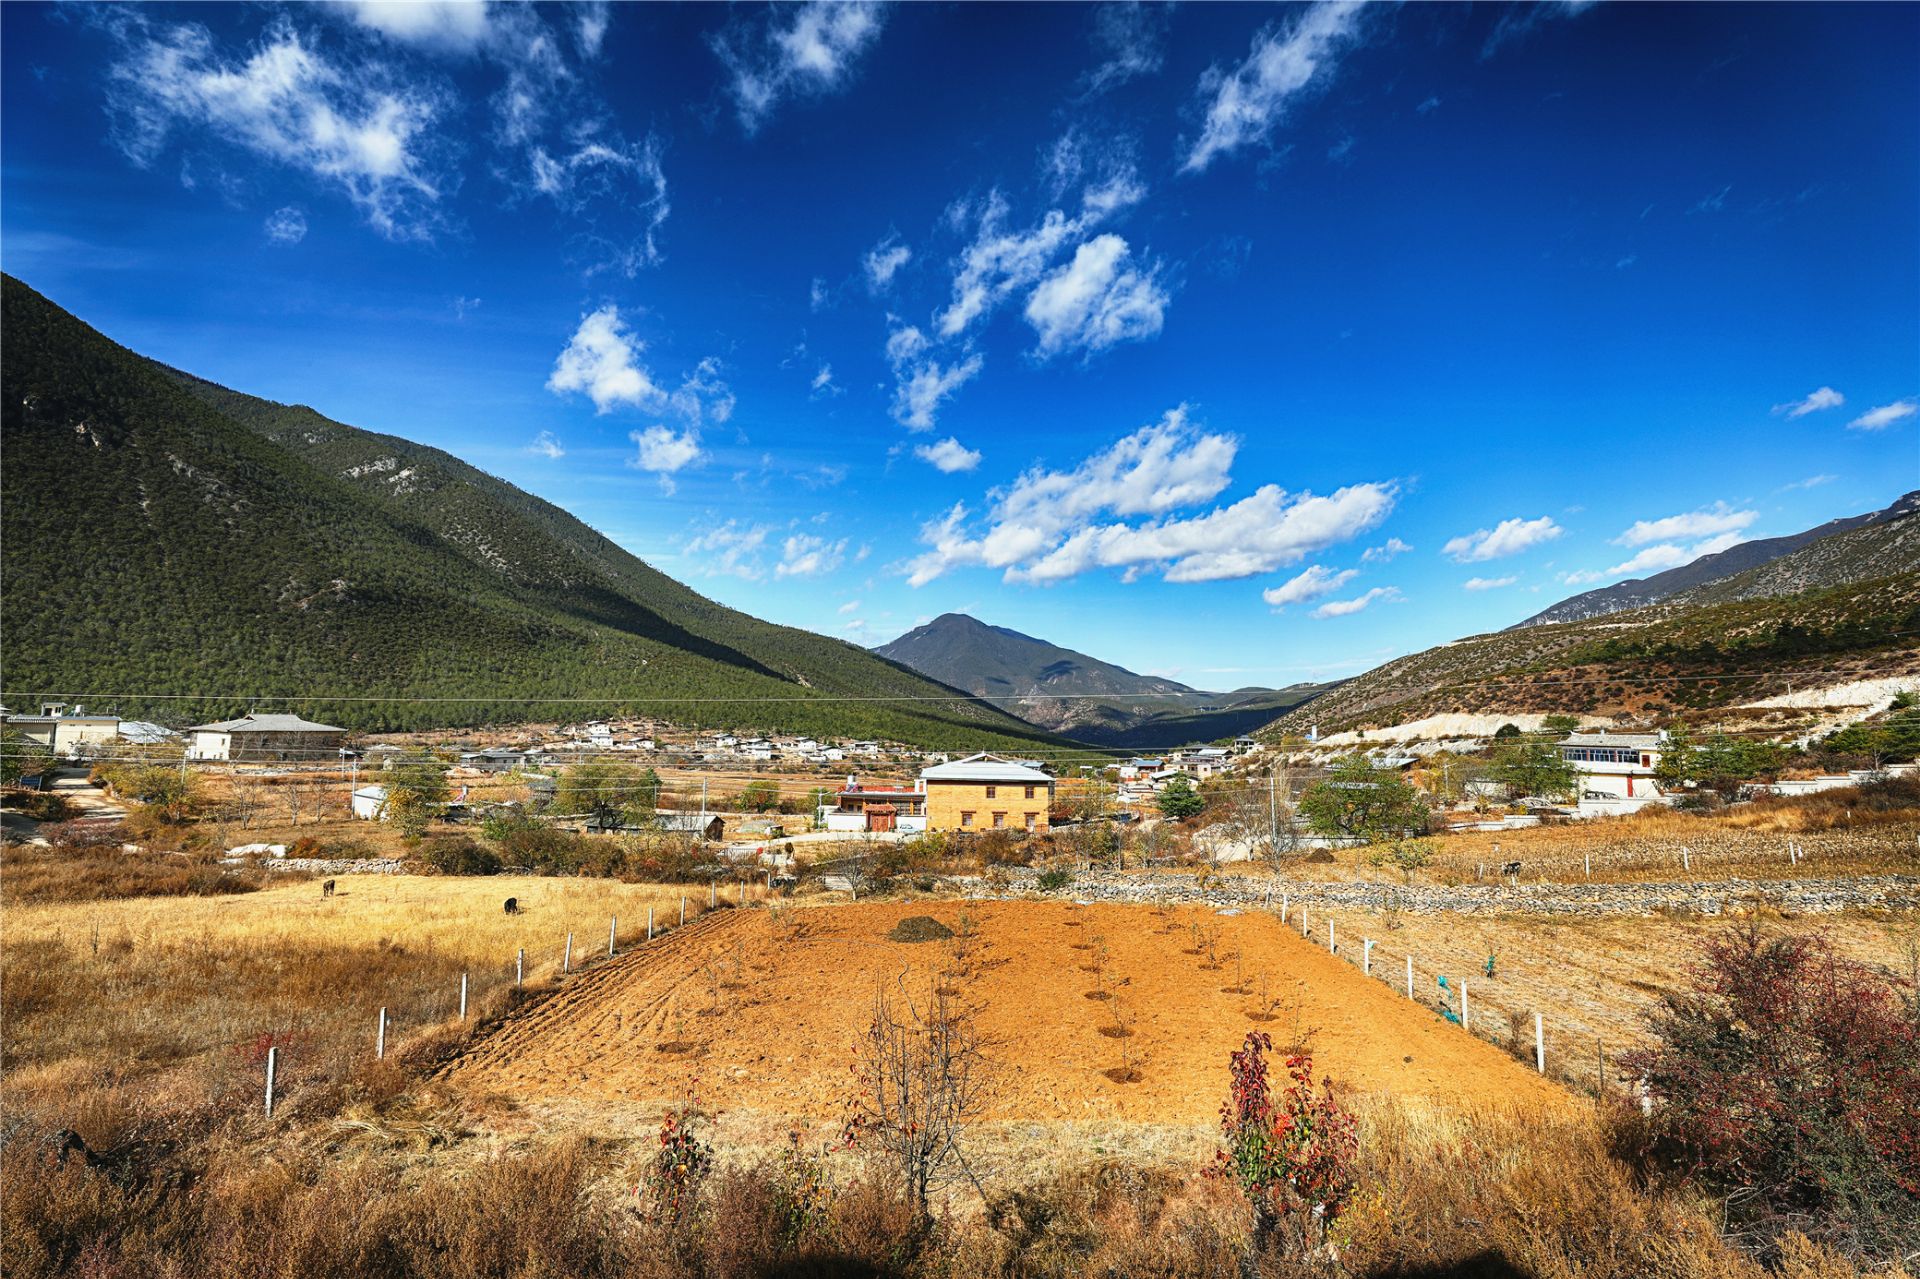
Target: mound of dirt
(919,928)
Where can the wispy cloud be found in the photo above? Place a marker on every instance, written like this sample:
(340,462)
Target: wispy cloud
(286,226)
(1052,525)
(1312,583)
(883,262)
(1824,398)
(733,550)
(362,128)
(1706,522)
(949,455)
(1886,415)
(1487,583)
(1346,608)
(1129,38)
(1508,537)
(547,445)
(921,382)
(1811,482)
(804,555)
(798,50)
(1246,104)
(1385,551)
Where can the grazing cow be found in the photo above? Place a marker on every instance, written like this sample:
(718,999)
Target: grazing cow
(1510,868)
(513,905)
(326,889)
(68,1142)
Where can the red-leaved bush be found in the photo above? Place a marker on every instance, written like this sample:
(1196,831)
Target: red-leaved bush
(1293,1158)
(1789,1078)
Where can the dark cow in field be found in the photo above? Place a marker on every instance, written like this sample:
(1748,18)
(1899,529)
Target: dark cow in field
(1510,868)
(326,889)
(513,905)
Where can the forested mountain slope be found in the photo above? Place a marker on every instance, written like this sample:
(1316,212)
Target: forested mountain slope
(164,536)
(1708,569)
(1644,663)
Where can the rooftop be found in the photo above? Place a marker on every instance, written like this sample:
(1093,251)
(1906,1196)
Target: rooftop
(983,768)
(1625,741)
(266,724)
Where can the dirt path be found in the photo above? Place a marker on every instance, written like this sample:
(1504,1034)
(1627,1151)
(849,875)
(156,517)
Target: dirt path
(765,1013)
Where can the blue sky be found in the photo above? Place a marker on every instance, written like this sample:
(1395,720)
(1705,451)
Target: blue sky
(1233,343)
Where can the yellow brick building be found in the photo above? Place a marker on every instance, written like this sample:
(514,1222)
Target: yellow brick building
(986,792)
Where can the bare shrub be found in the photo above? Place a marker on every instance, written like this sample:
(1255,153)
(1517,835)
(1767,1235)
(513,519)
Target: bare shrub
(923,1077)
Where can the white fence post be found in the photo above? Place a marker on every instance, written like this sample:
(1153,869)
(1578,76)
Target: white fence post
(1465,1024)
(713,893)
(1539,1044)
(1331,948)
(1686,859)
(1589,865)
(520,969)
(1409,976)
(273,1060)
(649,923)
(463,996)
(683,909)
(380,1038)
(566,956)
(613,923)
(1366,956)
(1283,908)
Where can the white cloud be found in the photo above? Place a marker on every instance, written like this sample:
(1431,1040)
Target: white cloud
(1002,261)
(602,360)
(286,226)
(921,383)
(949,455)
(547,445)
(1048,525)
(1311,584)
(1129,38)
(1508,537)
(458,26)
(1811,482)
(851,606)
(358,128)
(590,19)
(735,549)
(1487,583)
(1665,555)
(1886,415)
(1096,301)
(1346,608)
(1385,551)
(664,451)
(1245,105)
(1824,398)
(822,383)
(884,261)
(610,170)
(804,555)
(802,49)
(1706,522)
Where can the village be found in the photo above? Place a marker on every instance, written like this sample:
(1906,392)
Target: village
(1237,800)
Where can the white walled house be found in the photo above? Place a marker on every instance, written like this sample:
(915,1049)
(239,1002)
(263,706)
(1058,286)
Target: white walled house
(261,737)
(1615,765)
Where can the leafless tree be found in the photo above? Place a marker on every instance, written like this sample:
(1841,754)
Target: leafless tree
(924,1077)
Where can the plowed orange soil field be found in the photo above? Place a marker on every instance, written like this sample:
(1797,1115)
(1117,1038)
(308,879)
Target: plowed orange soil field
(765,1013)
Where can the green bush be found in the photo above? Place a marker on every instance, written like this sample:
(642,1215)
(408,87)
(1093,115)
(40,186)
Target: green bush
(1053,881)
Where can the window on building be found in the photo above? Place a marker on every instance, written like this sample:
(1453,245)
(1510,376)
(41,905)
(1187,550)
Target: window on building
(1033,820)
(966,819)
(992,792)
(1029,792)
(999,821)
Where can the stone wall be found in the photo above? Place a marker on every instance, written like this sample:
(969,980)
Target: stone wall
(1870,892)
